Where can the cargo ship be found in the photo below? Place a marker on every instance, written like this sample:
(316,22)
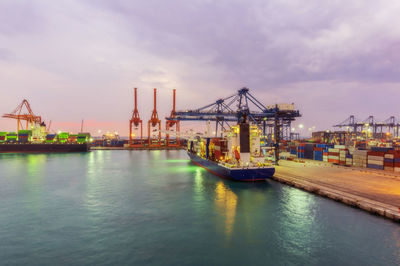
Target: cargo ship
(37,140)
(237,155)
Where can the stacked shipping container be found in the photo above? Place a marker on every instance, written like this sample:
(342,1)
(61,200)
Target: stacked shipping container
(360,158)
(300,150)
(396,160)
(342,156)
(321,152)
(376,160)
(309,151)
(382,158)
(333,155)
(388,161)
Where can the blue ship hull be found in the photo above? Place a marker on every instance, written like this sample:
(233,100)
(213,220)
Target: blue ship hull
(238,174)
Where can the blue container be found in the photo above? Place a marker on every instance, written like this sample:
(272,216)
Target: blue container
(388,160)
(383,149)
(374,166)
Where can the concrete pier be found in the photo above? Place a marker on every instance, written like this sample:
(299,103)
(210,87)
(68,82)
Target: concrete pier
(137,148)
(377,192)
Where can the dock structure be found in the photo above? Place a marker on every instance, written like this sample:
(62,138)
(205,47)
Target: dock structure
(377,192)
(139,148)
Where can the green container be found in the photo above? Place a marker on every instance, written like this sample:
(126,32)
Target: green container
(3,137)
(25,132)
(12,137)
(83,138)
(63,137)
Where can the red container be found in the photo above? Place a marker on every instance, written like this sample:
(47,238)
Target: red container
(376,153)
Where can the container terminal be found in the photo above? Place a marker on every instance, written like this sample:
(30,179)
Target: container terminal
(359,166)
(35,137)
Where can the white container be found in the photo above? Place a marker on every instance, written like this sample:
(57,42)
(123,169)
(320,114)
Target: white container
(375,162)
(389,156)
(375,158)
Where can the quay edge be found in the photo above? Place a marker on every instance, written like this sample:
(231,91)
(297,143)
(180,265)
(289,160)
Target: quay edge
(371,206)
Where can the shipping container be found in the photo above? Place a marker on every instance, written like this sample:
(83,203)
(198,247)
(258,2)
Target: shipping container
(11,137)
(3,137)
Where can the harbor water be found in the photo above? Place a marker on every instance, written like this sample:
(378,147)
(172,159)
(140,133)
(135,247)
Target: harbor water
(156,208)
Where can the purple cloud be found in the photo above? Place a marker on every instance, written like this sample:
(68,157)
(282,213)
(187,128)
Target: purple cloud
(331,59)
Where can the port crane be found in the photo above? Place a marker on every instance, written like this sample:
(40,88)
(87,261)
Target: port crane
(243,105)
(21,115)
(171,124)
(154,126)
(357,126)
(134,123)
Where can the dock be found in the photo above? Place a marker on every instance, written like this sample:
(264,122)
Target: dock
(137,148)
(377,192)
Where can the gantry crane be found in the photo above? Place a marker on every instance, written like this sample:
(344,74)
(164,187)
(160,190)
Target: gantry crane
(235,108)
(134,140)
(169,125)
(27,116)
(357,126)
(154,126)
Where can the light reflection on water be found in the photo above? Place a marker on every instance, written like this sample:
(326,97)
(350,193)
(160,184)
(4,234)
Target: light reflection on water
(156,208)
(225,202)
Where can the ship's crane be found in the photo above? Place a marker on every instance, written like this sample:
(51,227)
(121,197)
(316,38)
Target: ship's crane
(154,126)
(169,125)
(134,123)
(235,108)
(48,127)
(26,115)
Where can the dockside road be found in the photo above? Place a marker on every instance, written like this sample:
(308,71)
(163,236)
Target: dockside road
(377,192)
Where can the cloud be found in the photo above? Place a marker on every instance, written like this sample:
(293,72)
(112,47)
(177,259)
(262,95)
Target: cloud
(81,59)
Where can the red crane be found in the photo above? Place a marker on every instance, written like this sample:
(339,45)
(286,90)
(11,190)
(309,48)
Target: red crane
(170,126)
(27,116)
(134,140)
(152,125)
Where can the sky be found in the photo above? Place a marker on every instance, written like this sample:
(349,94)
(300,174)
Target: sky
(81,59)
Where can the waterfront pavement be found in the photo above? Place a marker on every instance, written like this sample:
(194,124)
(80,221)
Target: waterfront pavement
(375,191)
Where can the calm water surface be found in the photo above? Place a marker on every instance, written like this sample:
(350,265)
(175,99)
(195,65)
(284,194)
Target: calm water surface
(156,208)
